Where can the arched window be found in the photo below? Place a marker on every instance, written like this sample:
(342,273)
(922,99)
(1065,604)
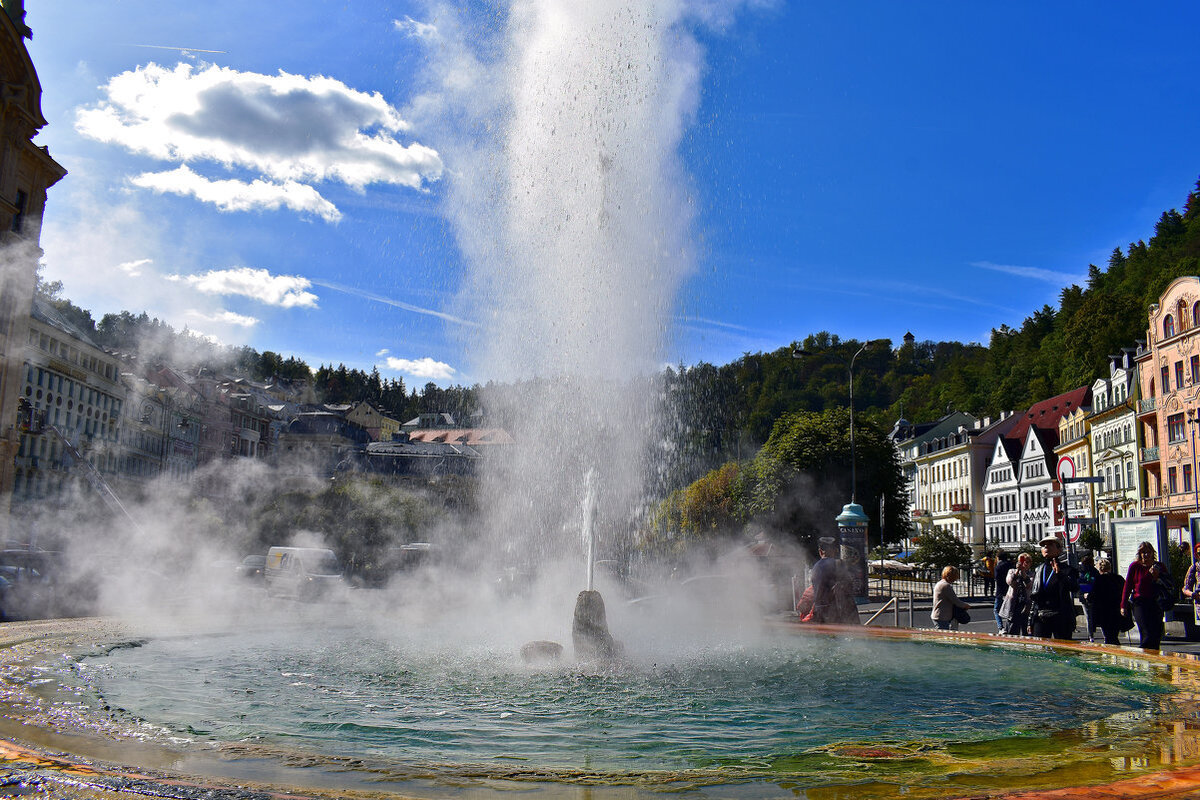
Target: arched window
(1168,326)
(1196,313)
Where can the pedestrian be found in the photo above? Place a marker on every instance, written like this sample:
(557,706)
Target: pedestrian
(1146,579)
(1004,565)
(833,587)
(1052,613)
(1087,579)
(1191,581)
(1105,598)
(945,599)
(989,573)
(1015,610)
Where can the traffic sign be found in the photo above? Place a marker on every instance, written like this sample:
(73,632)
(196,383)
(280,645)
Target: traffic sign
(1066,468)
(1076,532)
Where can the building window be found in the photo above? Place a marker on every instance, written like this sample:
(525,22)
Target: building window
(1168,326)
(1178,374)
(1175,428)
(18,220)
(1166,380)
(1187,477)
(1171,483)
(1129,474)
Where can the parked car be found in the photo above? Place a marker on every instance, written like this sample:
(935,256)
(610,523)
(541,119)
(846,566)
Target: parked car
(253,568)
(27,586)
(303,573)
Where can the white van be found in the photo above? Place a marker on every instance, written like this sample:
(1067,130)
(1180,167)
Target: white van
(305,573)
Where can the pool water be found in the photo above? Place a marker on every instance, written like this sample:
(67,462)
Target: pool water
(738,710)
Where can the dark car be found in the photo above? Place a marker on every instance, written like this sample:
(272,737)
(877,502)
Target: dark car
(27,590)
(253,568)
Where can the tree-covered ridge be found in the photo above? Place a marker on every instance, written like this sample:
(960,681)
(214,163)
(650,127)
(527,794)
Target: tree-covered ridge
(720,414)
(721,411)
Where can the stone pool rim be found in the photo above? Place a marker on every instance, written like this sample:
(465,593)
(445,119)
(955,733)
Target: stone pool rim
(33,755)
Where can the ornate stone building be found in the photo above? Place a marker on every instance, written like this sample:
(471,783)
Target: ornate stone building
(26,171)
(1169,378)
(1113,431)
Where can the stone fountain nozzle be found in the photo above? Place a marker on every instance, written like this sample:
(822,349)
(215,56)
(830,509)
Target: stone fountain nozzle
(589,629)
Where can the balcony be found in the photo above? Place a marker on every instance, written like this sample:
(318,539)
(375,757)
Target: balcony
(1147,404)
(1149,454)
(1154,503)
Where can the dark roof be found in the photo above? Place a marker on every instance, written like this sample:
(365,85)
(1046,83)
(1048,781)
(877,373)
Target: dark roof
(324,423)
(1046,415)
(926,431)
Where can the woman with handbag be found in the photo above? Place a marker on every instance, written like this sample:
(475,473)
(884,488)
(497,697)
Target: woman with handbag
(1140,598)
(1014,611)
(1107,591)
(946,604)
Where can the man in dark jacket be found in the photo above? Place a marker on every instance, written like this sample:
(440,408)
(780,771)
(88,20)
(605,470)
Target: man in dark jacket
(833,587)
(1054,585)
(1003,567)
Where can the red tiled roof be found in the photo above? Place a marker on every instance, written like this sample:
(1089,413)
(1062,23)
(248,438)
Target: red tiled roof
(1046,414)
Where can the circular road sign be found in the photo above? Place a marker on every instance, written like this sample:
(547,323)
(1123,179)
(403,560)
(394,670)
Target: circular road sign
(1075,531)
(1066,469)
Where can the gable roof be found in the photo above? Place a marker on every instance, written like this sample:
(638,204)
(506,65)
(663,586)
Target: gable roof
(1046,414)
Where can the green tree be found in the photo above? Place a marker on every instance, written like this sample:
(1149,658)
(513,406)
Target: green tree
(1091,539)
(801,478)
(940,548)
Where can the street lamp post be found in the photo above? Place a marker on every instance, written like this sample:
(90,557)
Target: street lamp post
(852,522)
(799,353)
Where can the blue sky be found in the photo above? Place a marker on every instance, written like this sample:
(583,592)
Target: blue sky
(865,168)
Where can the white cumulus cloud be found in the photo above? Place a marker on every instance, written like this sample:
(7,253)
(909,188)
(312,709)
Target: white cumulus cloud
(134,268)
(287,291)
(223,317)
(423,368)
(288,129)
(235,195)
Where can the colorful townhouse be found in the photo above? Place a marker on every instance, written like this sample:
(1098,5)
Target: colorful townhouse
(1019,495)
(1113,435)
(1168,368)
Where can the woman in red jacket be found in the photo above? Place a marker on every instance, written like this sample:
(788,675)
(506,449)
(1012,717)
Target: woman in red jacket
(1141,596)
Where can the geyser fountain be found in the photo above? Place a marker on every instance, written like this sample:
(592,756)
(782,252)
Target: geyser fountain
(575,220)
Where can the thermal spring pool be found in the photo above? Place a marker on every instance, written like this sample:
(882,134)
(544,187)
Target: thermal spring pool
(343,710)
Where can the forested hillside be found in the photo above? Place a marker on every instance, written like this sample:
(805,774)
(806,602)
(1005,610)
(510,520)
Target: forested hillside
(719,414)
(725,413)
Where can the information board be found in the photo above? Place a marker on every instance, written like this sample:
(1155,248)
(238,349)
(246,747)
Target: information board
(1127,534)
